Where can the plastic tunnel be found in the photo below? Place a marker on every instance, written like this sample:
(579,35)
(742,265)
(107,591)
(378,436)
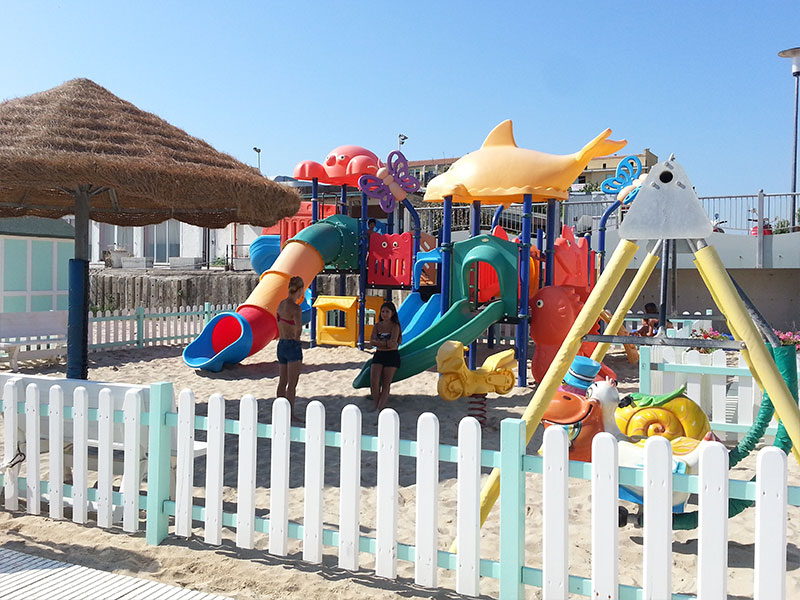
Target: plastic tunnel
(232,336)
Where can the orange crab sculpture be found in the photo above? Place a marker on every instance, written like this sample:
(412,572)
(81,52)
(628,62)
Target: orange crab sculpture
(343,166)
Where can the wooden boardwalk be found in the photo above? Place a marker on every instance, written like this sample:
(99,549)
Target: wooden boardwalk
(27,577)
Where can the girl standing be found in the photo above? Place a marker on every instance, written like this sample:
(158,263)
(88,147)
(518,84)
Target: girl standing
(290,352)
(386,337)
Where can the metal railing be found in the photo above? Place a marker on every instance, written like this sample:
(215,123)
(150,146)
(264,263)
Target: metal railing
(738,214)
(510,219)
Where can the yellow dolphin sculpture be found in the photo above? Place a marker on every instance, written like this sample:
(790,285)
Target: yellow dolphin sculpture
(501,173)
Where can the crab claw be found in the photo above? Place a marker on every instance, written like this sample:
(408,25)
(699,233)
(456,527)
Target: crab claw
(362,165)
(308,169)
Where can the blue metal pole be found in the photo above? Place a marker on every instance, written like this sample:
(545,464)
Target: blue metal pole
(363,247)
(390,222)
(525,278)
(314,219)
(551,241)
(342,276)
(78,320)
(496,218)
(447,250)
(589,265)
(474,231)
(601,243)
(540,247)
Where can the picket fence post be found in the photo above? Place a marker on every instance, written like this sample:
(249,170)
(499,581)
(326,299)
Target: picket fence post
(158,463)
(512,508)
(139,326)
(206,313)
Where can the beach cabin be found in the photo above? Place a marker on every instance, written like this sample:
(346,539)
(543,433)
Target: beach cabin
(34,264)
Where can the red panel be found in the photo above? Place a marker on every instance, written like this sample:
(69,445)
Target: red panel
(389,259)
(291,226)
(571,258)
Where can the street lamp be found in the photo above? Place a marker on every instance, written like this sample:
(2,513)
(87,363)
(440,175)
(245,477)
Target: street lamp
(794,54)
(258,154)
(401,139)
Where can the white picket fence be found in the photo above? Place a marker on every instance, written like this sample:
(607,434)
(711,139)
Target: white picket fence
(470,563)
(682,327)
(728,394)
(139,327)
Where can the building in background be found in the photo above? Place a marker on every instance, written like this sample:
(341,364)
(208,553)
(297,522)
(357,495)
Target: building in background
(34,263)
(602,167)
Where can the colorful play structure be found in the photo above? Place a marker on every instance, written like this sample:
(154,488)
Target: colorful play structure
(457,290)
(489,279)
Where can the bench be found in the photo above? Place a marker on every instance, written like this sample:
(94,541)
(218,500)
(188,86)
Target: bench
(29,335)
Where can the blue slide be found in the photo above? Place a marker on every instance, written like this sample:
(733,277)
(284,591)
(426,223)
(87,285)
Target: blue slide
(426,316)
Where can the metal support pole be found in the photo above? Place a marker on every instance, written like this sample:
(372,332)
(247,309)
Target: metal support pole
(551,241)
(342,277)
(363,246)
(674,286)
(314,219)
(662,306)
(760,231)
(540,248)
(447,252)
(525,278)
(794,154)
(78,317)
(474,231)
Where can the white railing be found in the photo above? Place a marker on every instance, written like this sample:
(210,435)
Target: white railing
(374,527)
(142,327)
(727,393)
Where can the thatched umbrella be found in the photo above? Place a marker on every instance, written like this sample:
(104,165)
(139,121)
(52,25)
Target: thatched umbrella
(79,149)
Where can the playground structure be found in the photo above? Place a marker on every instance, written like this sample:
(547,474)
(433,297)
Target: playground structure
(481,281)
(666,208)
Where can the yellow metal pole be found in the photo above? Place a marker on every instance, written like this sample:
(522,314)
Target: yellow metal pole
(622,257)
(635,288)
(734,310)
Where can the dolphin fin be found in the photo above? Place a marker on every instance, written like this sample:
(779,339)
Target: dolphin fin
(599,146)
(502,135)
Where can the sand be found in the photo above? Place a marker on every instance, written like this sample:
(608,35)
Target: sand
(327,376)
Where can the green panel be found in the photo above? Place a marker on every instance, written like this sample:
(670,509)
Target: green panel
(15,266)
(15,304)
(65,252)
(41,303)
(459,323)
(41,265)
(62,302)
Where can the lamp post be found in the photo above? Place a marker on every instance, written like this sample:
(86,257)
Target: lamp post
(258,154)
(794,54)
(401,139)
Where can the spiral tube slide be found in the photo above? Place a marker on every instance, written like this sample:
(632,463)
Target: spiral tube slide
(231,337)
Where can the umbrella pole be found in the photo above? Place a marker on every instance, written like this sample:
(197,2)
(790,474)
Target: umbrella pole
(78,322)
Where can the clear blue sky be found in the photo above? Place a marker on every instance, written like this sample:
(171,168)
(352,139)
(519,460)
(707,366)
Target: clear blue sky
(701,79)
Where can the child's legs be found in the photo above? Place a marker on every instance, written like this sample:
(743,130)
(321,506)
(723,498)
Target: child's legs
(375,375)
(292,375)
(282,377)
(386,382)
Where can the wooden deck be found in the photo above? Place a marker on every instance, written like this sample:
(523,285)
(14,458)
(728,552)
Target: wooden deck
(27,577)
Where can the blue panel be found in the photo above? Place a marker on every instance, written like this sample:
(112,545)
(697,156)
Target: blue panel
(65,252)
(15,266)
(41,303)
(41,265)
(15,304)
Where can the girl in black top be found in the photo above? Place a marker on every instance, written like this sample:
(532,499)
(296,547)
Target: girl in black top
(386,337)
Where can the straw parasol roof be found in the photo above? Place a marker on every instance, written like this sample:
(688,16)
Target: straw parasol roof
(136,168)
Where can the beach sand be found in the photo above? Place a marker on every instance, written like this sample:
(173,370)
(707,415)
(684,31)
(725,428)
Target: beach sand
(327,376)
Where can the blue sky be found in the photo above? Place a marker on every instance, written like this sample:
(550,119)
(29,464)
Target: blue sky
(701,80)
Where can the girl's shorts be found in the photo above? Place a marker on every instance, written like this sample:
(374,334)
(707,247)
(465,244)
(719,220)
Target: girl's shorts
(387,358)
(289,351)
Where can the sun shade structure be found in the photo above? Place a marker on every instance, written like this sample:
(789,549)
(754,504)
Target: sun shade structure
(137,168)
(79,149)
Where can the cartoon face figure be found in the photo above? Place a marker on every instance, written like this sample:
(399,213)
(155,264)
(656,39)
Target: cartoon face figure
(553,311)
(342,166)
